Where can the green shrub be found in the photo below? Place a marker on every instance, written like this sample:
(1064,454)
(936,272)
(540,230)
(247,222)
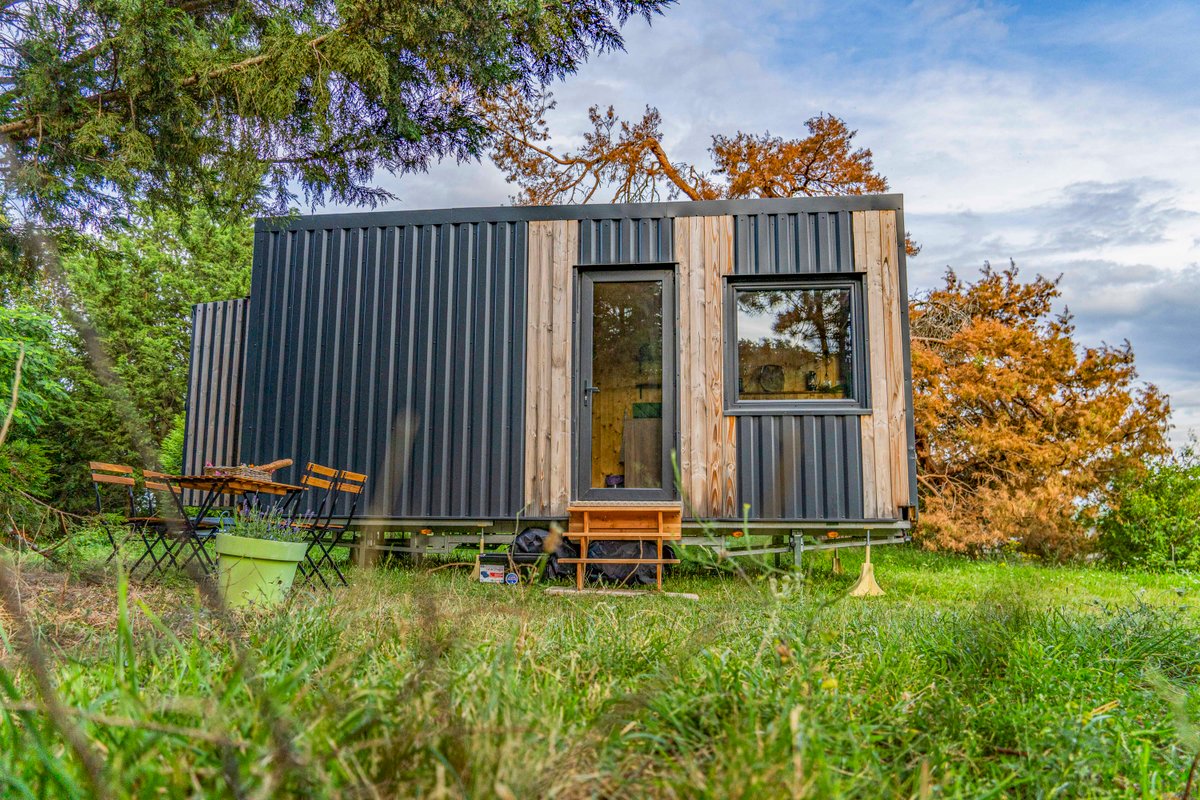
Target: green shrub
(1153,518)
(170,455)
(27,333)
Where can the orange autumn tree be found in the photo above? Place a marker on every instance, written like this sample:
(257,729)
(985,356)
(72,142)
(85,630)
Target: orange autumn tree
(1019,429)
(625,162)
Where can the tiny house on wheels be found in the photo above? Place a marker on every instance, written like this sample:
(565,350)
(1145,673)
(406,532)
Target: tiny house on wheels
(743,363)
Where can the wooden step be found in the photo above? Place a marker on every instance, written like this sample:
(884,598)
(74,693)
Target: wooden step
(595,524)
(591,505)
(598,522)
(625,518)
(562,590)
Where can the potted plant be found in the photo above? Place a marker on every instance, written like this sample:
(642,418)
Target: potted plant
(257,558)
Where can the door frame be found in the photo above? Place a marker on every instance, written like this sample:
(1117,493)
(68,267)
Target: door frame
(581,445)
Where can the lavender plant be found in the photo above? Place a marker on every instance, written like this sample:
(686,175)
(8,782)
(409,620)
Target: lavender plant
(256,523)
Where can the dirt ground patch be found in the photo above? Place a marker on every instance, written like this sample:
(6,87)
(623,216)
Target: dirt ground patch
(71,609)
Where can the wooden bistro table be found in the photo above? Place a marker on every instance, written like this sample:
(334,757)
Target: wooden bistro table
(212,487)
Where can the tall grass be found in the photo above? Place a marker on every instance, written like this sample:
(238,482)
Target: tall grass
(1034,683)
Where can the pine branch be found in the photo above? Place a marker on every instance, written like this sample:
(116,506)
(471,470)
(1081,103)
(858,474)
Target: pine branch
(669,170)
(570,161)
(24,128)
(193,7)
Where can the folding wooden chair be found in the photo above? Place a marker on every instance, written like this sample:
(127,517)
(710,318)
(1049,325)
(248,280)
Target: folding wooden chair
(148,528)
(329,536)
(193,535)
(317,478)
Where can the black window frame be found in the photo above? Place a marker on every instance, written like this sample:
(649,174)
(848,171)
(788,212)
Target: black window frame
(859,403)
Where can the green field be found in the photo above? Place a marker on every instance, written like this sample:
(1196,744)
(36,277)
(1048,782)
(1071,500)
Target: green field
(969,679)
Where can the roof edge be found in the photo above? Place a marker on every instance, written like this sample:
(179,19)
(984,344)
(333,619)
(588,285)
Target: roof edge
(682,208)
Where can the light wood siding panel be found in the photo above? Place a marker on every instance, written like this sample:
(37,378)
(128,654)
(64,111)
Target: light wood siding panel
(553,248)
(707,457)
(885,464)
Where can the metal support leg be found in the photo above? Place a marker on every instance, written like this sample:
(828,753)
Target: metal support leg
(797,550)
(866,585)
(116,547)
(152,536)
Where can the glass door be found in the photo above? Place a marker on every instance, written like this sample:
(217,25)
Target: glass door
(626,386)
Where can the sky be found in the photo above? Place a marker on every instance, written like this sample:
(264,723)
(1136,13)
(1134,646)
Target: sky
(1063,136)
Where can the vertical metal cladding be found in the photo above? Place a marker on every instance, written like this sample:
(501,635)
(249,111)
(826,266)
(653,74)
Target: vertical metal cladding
(628,240)
(214,400)
(783,244)
(800,467)
(806,467)
(397,351)
(394,344)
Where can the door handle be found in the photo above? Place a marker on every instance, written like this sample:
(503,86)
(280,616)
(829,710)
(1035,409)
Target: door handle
(588,391)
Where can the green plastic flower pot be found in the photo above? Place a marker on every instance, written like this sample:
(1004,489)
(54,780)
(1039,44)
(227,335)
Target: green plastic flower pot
(256,571)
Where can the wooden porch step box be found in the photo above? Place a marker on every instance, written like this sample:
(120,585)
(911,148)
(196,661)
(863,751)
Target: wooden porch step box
(599,522)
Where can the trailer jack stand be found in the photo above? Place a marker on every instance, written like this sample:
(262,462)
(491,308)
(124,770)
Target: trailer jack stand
(837,564)
(866,585)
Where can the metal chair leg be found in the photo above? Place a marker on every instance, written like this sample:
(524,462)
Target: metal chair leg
(198,553)
(113,542)
(167,558)
(333,564)
(327,549)
(130,532)
(148,542)
(320,553)
(314,567)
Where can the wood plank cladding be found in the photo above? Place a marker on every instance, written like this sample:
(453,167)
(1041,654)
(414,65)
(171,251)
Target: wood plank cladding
(553,248)
(884,431)
(707,438)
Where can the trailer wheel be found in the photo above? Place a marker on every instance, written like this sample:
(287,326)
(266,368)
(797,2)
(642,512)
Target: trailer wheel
(532,541)
(625,574)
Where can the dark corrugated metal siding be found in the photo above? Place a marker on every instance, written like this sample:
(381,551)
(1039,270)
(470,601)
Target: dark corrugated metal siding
(214,400)
(792,243)
(397,351)
(800,467)
(644,240)
(797,467)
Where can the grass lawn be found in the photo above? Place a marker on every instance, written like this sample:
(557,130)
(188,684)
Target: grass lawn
(968,679)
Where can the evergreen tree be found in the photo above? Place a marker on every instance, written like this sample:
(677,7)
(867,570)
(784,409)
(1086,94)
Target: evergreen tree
(136,284)
(191,101)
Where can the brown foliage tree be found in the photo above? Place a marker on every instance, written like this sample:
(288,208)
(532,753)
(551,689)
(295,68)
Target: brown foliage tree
(823,163)
(1019,429)
(628,159)
(627,163)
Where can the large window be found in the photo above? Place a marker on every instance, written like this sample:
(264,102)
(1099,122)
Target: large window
(794,345)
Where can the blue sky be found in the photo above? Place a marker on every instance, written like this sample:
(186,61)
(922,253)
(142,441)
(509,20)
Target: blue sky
(1065,136)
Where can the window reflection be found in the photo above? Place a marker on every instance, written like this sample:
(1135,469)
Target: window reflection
(794,344)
